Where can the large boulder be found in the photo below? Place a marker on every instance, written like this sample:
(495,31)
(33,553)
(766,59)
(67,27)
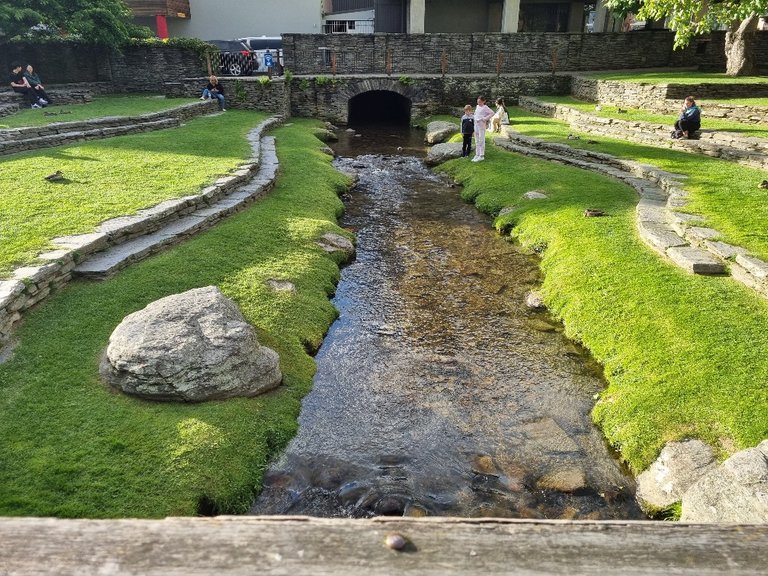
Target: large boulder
(439,131)
(189,347)
(442,153)
(678,467)
(735,492)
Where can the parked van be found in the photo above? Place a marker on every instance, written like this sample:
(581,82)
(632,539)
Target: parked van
(265,47)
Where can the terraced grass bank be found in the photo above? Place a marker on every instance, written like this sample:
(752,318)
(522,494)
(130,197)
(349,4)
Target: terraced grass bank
(74,448)
(684,356)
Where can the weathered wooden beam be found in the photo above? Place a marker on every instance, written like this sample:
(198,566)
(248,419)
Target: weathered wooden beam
(435,546)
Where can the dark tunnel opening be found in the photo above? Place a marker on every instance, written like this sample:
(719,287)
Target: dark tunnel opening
(379,107)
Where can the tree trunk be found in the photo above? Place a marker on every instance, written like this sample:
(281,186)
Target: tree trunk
(739,47)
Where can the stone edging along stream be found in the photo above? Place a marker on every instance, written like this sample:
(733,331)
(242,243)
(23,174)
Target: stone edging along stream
(675,235)
(126,239)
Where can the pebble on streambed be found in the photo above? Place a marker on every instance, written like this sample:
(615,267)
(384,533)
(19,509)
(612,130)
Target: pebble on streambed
(395,541)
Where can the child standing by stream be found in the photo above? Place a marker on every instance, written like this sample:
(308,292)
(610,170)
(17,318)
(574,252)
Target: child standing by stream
(483,114)
(467,129)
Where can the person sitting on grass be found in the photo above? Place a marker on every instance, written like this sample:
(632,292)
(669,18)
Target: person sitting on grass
(21,86)
(214,90)
(34,82)
(689,120)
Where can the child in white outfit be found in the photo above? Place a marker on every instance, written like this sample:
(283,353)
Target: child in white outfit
(483,114)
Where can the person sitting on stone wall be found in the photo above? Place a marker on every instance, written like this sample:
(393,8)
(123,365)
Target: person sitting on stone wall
(214,90)
(21,86)
(34,82)
(689,120)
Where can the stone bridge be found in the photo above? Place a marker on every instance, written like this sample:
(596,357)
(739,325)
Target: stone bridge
(351,99)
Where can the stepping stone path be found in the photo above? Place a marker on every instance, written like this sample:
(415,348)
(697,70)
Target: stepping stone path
(675,235)
(127,239)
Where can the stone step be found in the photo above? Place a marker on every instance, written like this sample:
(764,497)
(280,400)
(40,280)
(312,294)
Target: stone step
(104,264)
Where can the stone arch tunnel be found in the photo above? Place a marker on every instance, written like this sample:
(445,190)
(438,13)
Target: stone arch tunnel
(378,107)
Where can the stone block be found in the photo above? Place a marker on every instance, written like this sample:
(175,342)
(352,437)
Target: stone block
(9,291)
(699,234)
(758,268)
(696,260)
(659,236)
(723,250)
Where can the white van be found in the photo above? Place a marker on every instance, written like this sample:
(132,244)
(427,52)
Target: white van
(264,48)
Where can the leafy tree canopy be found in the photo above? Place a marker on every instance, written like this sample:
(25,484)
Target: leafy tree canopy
(105,22)
(689,18)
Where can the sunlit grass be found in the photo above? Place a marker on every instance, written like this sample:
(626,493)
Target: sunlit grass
(679,77)
(685,356)
(74,448)
(109,178)
(637,115)
(726,193)
(100,107)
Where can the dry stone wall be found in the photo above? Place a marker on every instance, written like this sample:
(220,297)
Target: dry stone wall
(247,93)
(483,53)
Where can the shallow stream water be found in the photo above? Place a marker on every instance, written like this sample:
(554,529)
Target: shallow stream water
(438,392)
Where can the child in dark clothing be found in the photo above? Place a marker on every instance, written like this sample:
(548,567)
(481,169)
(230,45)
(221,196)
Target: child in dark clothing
(467,129)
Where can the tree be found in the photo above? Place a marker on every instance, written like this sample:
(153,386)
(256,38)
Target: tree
(689,18)
(104,22)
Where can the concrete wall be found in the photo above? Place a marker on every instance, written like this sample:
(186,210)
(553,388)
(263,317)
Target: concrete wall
(227,19)
(463,16)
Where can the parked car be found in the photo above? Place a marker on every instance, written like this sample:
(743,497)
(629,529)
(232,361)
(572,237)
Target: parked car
(235,58)
(263,46)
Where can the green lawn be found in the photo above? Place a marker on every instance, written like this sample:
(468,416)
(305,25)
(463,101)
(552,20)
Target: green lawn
(73,448)
(681,77)
(743,101)
(100,107)
(724,192)
(112,177)
(637,115)
(685,356)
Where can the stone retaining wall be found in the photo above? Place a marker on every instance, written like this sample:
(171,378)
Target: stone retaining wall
(484,53)
(15,140)
(726,145)
(667,98)
(32,284)
(247,93)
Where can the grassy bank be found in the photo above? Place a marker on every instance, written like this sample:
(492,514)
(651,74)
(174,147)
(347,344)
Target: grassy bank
(680,77)
(71,447)
(724,192)
(100,107)
(637,115)
(113,177)
(685,356)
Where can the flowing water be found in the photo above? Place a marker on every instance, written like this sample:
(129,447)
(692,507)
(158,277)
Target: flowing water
(438,392)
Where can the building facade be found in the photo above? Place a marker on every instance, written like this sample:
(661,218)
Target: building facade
(224,19)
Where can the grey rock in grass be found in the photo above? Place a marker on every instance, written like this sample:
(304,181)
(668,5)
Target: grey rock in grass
(535,195)
(331,242)
(439,131)
(440,153)
(734,492)
(677,468)
(189,347)
(325,135)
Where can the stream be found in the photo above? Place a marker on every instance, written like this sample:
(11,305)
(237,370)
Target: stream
(438,392)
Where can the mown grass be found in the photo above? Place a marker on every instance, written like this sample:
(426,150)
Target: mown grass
(685,356)
(744,101)
(100,107)
(638,115)
(73,448)
(679,77)
(112,177)
(725,193)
